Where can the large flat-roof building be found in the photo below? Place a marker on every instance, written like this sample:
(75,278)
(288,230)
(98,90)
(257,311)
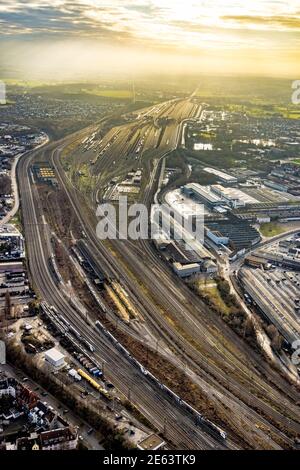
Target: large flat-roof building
(202,194)
(240,234)
(233,196)
(217,237)
(55,357)
(11,242)
(152,442)
(223,177)
(186,270)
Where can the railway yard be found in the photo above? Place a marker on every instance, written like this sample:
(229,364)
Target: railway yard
(239,399)
(149,232)
(149,134)
(277,295)
(273,285)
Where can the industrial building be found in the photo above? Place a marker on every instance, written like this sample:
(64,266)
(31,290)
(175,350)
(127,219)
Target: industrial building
(187,261)
(217,237)
(285,178)
(256,262)
(232,196)
(278,260)
(202,194)
(186,270)
(223,177)
(276,294)
(239,233)
(225,226)
(11,243)
(282,211)
(277,186)
(55,357)
(217,196)
(176,251)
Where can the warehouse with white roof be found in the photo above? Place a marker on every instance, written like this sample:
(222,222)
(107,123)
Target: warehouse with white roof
(55,357)
(223,177)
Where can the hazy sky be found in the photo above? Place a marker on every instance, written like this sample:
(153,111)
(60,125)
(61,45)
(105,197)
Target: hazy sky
(76,38)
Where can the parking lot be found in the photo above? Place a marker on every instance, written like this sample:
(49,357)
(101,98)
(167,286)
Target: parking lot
(277,294)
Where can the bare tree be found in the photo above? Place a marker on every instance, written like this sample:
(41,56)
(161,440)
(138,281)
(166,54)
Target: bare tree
(7,305)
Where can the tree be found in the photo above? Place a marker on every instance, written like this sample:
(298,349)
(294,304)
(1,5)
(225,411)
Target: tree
(33,307)
(7,305)
(5,184)
(277,341)
(271,331)
(249,328)
(275,336)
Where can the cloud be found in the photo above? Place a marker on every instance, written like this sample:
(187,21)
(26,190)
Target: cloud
(64,19)
(172,19)
(197,28)
(266,22)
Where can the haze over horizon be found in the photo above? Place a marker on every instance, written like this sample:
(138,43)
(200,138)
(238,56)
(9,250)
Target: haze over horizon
(65,39)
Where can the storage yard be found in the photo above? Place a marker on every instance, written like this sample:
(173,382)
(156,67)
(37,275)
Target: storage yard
(157,128)
(276,293)
(271,279)
(222,393)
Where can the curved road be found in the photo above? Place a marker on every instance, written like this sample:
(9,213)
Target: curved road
(180,427)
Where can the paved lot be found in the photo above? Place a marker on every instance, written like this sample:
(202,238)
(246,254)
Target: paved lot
(277,293)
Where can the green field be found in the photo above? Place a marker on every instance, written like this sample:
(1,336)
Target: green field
(72,88)
(205,135)
(211,292)
(26,83)
(110,93)
(264,110)
(271,229)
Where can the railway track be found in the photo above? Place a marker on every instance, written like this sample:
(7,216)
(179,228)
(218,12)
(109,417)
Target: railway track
(104,255)
(181,429)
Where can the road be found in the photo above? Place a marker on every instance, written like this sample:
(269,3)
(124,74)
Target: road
(89,439)
(14,185)
(229,372)
(180,427)
(235,265)
(244,362)
(169,295)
